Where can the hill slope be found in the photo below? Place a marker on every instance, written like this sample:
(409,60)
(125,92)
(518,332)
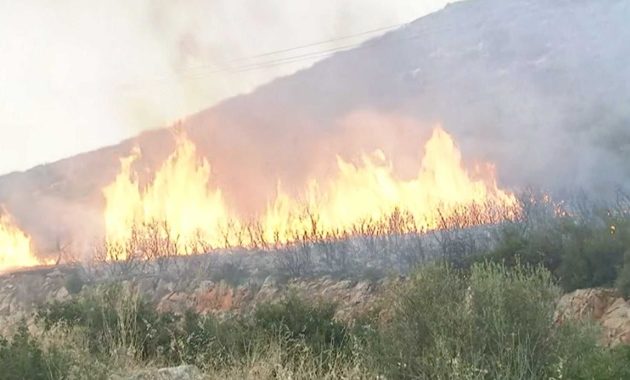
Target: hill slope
(538,87)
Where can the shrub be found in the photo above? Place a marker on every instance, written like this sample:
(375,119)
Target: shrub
(591,257)
(74,283)
(494,323)
(603,364)
(580,254)
(112,318)
(299,321)
(431,302)
(213,344)
(23,358)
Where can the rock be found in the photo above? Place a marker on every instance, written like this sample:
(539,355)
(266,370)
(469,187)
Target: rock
(604,306)
(176,302)
(61,294)
(217,298)
(584,304)
(183,372)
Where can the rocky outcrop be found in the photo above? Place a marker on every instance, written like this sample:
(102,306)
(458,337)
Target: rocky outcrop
(21,292)
(352,297)
(606,307)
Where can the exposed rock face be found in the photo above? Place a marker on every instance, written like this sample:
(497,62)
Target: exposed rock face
(352,297)
(21,292)
(605,306)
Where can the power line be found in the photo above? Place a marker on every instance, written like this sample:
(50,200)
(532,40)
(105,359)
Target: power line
(208,70)
(213,69)
(372,31)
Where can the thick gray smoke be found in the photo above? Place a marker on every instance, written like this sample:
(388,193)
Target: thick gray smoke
(540,88)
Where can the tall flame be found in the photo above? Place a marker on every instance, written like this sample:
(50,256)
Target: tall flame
(178,195)
(371,192)
(181,196)
(15,246)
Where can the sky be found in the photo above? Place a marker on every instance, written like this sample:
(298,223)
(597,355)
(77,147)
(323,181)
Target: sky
(77,75)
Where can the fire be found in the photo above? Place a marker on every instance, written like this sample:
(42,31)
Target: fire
(178,195)
(182,197)
(371,192)
(15,246)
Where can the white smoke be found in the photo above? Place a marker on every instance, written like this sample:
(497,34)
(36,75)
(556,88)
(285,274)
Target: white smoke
(78,75)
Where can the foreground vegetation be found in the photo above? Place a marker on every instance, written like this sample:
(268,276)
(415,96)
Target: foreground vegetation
(484,310)
(487,322)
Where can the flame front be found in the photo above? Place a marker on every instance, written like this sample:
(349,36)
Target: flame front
(15,246)
(178,196)
(182,197)
(370,192)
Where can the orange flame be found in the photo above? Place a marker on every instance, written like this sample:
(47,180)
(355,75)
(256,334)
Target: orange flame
(181,196)
(15,246)
(371,192)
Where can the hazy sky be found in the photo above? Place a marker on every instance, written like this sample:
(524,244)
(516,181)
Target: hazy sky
(76,75)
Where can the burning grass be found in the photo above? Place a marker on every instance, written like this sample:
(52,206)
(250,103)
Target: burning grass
(16,249)
(180,211)
(362,198)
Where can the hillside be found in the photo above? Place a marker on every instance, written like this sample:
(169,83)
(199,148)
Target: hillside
(529,85)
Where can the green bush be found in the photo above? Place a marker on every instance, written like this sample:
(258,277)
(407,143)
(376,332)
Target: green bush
(491,321)
(301,329)
(303,324)
(211,343)
(579,253)
(533,248)
(23,358)
(591,257)
(495,323)
(431,302)
(112,318)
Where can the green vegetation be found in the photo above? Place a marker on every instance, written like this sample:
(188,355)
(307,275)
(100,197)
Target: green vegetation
(581,250)
(493,323)
(485,312)
(490,321)
(24,358)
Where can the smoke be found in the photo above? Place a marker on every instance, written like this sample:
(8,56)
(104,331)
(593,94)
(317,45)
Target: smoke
(538,88)
(77,76)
